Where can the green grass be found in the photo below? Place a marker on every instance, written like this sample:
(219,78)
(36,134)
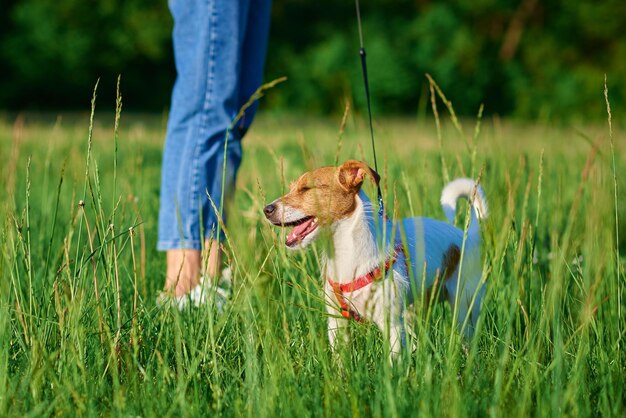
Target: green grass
(551,337)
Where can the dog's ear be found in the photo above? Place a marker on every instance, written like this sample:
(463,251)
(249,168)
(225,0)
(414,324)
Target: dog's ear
(351,174)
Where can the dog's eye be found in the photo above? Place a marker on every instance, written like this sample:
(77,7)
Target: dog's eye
(305,189)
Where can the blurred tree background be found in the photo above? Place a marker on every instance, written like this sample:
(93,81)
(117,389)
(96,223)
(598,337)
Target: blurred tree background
(522,58)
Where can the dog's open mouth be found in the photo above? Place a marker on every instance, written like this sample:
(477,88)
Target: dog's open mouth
(301,229)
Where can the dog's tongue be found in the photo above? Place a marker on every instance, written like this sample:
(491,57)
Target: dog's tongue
(298,232)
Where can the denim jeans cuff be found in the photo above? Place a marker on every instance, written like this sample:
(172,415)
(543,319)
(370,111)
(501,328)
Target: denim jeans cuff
(189,244)
(164,245)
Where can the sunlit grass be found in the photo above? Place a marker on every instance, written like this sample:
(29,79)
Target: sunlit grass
(550,340)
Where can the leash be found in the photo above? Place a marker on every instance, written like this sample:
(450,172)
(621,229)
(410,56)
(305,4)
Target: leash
(381,208)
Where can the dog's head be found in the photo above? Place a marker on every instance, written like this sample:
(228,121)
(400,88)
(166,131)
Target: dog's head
(319,198)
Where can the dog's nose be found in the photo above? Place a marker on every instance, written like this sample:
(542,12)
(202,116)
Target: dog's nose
(269,209)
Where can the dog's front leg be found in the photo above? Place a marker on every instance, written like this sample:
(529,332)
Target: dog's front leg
(393,327)
(387,315)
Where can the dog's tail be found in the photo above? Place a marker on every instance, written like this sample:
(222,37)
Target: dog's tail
(468,189)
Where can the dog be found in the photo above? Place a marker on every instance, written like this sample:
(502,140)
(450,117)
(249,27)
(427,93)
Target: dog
(374,267)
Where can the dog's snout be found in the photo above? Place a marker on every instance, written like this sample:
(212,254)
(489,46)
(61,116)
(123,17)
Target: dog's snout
(269,210)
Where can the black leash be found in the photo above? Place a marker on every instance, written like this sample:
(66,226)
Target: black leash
(381,208)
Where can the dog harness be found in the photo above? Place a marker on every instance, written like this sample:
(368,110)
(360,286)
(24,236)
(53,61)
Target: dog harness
(360,282)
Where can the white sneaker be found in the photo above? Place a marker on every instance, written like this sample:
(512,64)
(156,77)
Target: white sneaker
(207,291)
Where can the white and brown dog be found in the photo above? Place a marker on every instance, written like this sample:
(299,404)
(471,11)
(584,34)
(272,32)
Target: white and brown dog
(420,257)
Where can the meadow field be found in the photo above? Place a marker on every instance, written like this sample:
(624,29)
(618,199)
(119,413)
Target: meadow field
(81,335)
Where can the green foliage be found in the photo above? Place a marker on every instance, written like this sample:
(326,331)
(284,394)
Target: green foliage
(54,49)
(555,70)
(525,58)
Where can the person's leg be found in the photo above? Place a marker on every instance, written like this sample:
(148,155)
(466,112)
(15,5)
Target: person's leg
(254,22)
(204,103)
(254,33)
(183,256)
(253,53)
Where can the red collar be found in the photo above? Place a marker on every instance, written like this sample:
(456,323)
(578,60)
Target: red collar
(360,282)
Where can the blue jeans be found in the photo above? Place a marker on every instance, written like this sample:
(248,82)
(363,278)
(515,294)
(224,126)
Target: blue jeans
(219,51)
